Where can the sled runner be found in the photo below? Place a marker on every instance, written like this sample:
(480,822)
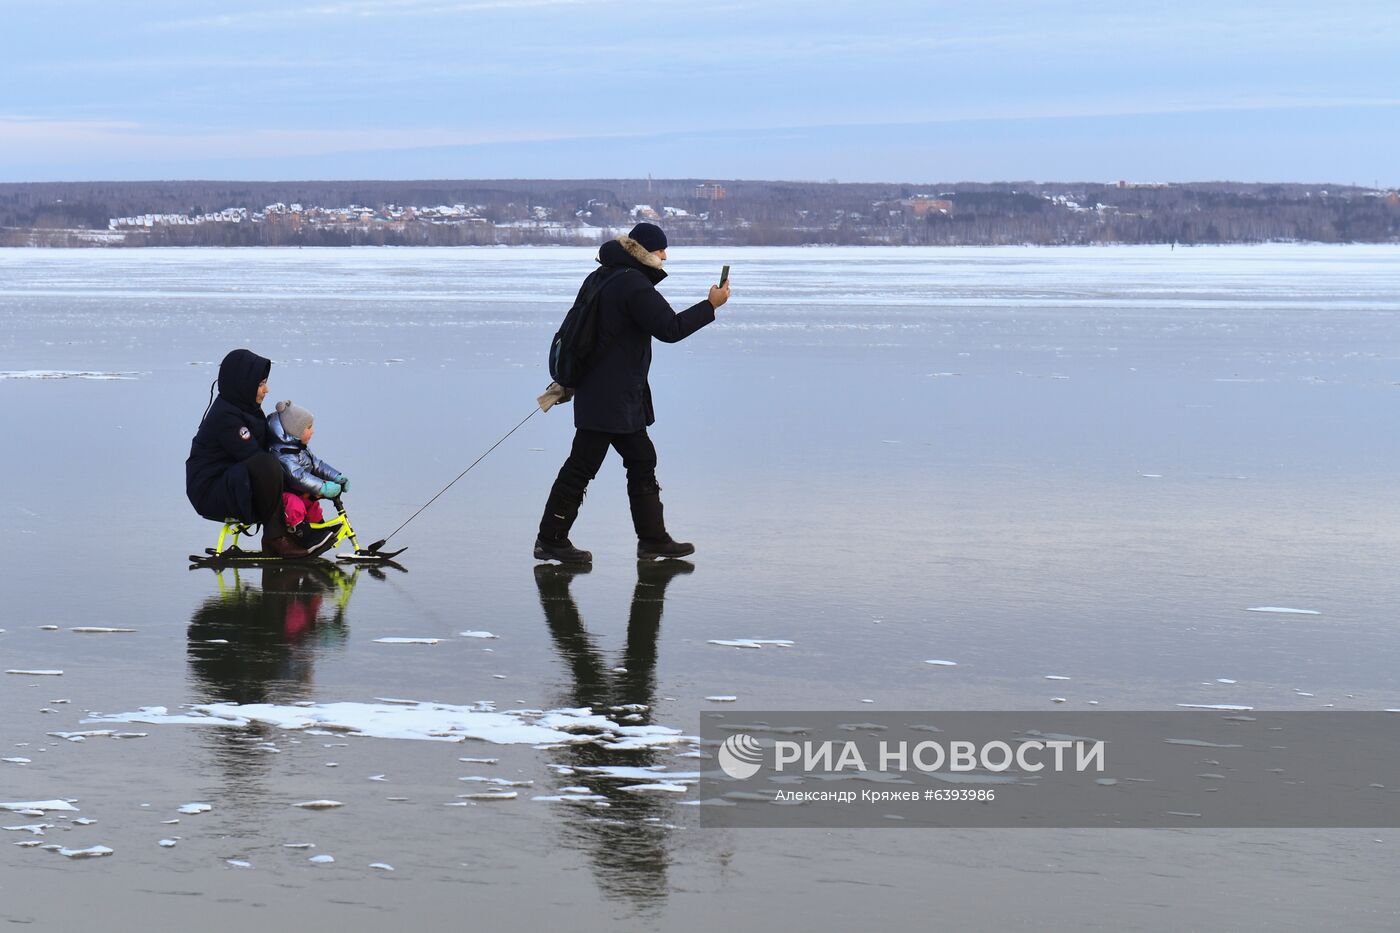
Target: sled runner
(316,537)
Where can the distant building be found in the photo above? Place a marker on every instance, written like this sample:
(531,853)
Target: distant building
(921,205)
(710,192)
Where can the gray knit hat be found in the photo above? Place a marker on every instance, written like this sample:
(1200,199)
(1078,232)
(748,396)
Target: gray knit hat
(295,419)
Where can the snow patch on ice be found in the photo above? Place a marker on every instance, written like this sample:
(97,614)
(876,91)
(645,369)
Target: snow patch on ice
(1284,609)
(476,635)
(40,806)
(427,721)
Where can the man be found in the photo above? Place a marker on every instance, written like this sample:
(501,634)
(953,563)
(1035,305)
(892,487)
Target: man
(612,402)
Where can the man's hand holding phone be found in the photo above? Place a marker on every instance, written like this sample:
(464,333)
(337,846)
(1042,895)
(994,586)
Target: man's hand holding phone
(719,294)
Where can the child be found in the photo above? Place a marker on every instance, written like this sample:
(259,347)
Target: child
(308,478)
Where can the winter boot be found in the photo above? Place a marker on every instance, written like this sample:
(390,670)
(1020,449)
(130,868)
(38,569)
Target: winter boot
(284,547)
(552,543)
(650,524)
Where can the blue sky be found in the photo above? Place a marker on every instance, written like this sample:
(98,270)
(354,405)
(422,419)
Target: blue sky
(880,90)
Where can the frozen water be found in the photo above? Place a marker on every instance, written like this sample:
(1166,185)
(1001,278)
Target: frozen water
(1285,610)
(321,859)
(476,635)
(97,630)
(191,809)
(938,662)
(319,804)
(48,673)
(407,641)
(90,852)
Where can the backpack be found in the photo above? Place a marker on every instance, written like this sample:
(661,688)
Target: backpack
(572,348)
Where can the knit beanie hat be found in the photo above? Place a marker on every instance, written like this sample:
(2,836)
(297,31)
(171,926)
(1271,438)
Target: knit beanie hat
(650,236)
(295,419)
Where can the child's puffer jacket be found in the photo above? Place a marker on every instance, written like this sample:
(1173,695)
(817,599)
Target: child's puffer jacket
(305,471)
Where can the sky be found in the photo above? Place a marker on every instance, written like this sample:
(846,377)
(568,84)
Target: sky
(877,90)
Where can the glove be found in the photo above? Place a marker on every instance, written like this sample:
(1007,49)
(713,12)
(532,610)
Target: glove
(554,395)
(344,482)
(330,489)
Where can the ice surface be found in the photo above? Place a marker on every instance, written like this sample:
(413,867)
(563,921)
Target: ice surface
(476,635)
(35,828)
(168,843)
(191,809)
(941,663)
(408,641)
(319,804)
(751,642)
(1284,609)
(321,859)
(381,866)
(723,699)
(658,788)
(16,761)
(38,673)
(98,630)
(238,863)
(486,795)
(1055,677)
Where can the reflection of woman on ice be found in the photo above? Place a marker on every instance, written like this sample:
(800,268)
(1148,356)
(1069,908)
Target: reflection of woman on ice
(229,473)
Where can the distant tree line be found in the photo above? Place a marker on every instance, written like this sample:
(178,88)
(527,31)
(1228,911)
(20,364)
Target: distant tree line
(751,213)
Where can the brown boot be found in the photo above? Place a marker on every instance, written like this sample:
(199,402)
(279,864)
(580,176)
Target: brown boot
(283,546)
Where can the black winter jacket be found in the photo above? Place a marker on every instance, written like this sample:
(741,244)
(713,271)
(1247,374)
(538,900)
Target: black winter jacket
(614,396)
(233,430)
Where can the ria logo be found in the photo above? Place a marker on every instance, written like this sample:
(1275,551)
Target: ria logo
(740,756)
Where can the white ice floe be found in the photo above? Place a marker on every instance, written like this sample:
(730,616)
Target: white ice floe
(939,662)
(1225,680)
(1059,700)
(37,673)
(190,809)
(100,630)
(97,734)
(168,843)
(48,628)
(658,788)
(480,761)
(319,804)
(90,852)
(65,374)
(16,761)
(723,699)
(238,863)
(407,641)
(499,782)
(381,866)
(40,806)
(1056,677)
(1284,609)
(321,859)
(476,635)
(35,828)
(486,795)
(634,773)
(574,798)
(1219,706)
(751,642)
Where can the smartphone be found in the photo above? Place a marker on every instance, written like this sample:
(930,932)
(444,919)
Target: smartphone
(723,276)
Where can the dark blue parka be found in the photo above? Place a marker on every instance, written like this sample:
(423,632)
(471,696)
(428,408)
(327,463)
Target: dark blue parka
(233,430)
(614,396)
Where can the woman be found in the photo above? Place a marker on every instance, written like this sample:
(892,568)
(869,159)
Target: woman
(229,473)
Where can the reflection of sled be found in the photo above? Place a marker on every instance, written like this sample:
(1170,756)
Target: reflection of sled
(325,536)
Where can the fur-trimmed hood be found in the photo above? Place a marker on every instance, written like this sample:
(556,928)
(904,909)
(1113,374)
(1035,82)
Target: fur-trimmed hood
(625,251)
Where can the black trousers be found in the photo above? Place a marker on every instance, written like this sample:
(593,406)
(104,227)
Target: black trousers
(585,459)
